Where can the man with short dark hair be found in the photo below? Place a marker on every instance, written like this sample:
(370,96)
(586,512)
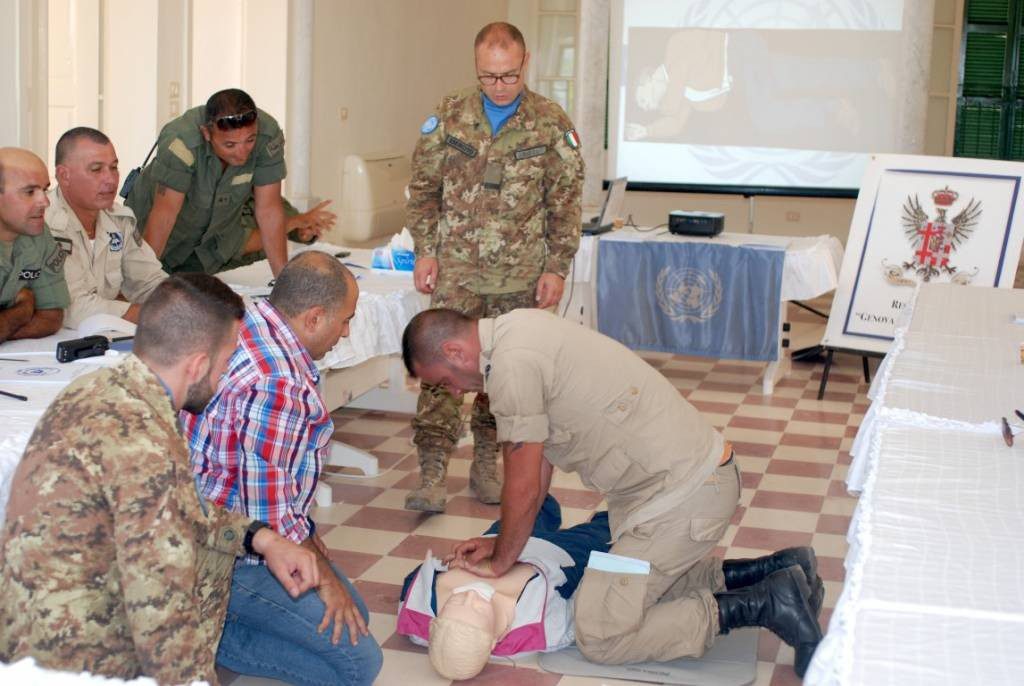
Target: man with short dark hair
(258,449)
(33,293)
(209,163)
(108,267)
(494,208)
(566,396)
(110,562)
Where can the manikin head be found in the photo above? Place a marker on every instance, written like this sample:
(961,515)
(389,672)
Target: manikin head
(231,126)
(317,295)
(465,631)
(442,347)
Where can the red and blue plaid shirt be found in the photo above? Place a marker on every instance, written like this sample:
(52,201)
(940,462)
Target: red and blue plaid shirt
(259,445)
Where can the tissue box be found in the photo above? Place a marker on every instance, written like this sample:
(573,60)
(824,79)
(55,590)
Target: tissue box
(397,259)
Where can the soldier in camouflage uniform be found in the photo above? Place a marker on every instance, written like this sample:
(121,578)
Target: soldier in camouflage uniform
(494,209)
(33,292)
(209,163)
(110,562)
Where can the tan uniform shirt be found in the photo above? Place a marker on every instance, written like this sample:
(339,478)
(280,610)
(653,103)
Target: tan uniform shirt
(109,562)
(119,261)
(599,410)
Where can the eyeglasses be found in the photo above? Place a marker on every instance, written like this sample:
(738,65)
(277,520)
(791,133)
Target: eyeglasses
(1008,428)
(235,121)
(508,78)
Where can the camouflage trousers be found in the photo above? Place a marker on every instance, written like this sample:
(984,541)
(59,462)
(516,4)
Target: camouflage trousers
(438,421)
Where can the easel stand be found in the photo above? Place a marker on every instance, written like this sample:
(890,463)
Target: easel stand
(830,351)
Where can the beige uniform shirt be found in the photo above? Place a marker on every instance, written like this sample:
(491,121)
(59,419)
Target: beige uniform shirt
(119,262)
(599,410)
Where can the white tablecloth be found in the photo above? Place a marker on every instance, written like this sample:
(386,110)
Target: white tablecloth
(934,590)
(811,267)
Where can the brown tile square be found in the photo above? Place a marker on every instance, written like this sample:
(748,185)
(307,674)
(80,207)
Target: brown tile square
(355,494)
(851,431)
(783,675)
(752,449)
(387,460)
(397,641)
(769,539)
(795,468)
(819,417)
(722,387)
(770,400)
(807,441)
(750,479)
(831,569)
(741,422)
(833,524)
(379,597)
(471,507)
(415,547)
(790,382)
(834,396)
(788,501)
(837,489)
(737,516)
(352,564)
(495,674)
(402,521)
(767,646)
(683,374)
(714,407)
(361,441)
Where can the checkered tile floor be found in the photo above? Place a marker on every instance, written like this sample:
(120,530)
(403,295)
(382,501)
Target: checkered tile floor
(793,452)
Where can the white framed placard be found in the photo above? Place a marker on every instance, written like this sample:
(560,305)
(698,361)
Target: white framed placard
(923,219)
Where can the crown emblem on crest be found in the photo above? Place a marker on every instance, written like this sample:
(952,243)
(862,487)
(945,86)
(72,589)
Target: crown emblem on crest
(945,197)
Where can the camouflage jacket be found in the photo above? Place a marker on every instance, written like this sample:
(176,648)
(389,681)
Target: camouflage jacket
(109,562)
(497,211)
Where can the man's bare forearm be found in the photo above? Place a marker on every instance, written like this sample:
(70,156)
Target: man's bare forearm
(521,498)
(13,318)
(43,323)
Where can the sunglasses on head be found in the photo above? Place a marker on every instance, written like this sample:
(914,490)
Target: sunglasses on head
(235,121)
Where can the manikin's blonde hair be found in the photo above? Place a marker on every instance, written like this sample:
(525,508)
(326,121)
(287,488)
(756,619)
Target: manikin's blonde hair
(458,650)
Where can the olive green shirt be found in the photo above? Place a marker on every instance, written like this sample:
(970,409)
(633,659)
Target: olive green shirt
(496,211)
(34,262)
(209,231)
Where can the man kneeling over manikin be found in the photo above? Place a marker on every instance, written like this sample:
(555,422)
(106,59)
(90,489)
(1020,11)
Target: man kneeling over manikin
(527,609)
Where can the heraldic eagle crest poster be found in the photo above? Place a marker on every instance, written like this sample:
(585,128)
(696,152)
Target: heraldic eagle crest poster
(923,220)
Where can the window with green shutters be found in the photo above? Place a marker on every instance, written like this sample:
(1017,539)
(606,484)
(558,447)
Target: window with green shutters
(990,103)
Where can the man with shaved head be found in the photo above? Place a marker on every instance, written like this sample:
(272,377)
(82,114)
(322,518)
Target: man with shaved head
(494,208)
(33,293)
(258,449)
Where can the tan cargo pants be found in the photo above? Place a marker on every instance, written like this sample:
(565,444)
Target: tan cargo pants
(671,613)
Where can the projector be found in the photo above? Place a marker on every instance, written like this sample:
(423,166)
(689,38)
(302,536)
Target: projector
(696,223)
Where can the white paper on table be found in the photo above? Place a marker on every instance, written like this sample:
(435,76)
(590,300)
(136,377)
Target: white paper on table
(106,325)
(41,372)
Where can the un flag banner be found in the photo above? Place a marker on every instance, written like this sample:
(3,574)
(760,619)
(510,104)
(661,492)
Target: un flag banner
(691,298)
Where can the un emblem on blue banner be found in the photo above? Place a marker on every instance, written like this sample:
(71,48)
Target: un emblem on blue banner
(687,294)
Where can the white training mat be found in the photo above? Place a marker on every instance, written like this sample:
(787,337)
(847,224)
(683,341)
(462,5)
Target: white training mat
(731,661)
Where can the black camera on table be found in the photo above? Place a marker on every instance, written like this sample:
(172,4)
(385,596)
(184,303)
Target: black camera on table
(77,348)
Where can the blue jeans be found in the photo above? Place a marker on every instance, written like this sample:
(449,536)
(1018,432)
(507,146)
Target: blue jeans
(270,634)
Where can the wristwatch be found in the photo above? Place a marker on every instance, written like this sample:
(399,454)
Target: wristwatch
(250,533)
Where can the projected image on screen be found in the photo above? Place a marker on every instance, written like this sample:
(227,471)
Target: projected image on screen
(766,89)
(764,93)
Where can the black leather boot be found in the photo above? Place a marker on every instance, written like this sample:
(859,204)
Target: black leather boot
(741,573)
(778,603)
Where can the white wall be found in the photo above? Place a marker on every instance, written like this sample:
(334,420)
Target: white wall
(23,91)
(241,44)
(386,63)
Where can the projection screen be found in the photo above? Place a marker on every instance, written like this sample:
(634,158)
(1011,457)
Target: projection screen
(764,96)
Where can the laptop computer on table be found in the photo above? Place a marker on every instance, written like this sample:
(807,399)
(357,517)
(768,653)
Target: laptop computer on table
(614,199)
